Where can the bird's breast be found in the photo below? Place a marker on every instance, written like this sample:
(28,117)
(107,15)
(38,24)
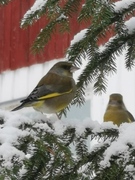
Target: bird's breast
(55,104)
(116,116)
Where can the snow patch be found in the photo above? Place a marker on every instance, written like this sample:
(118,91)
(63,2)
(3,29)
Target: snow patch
(122,4)
(120,145)
(38,5)
(78,37)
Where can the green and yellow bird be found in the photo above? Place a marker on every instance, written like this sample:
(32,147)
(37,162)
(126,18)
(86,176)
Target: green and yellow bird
(116,111)
(54,91)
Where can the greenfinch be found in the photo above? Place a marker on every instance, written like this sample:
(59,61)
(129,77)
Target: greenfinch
(116,111)
(54,91)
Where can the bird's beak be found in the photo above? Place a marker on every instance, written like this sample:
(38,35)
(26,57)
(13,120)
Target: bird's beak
(73,69)
(113,103)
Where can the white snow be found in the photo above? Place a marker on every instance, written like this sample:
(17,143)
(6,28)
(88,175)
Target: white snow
(62,16)
(119,5)
(130,25)
(120,146)
(130,168)
(78,37)
(38,5)
(10,133)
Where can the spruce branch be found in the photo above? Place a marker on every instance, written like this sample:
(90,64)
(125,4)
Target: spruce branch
(51,155)
(4,2)
(130,56)
(50,9)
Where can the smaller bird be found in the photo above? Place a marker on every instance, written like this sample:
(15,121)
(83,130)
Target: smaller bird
(116,111)
(54,91)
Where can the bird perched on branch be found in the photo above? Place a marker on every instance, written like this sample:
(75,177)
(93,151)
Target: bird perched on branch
(54,91)
(116,111)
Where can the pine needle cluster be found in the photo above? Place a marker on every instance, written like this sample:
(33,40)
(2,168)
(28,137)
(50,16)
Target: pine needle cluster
(67,155)
(4,2)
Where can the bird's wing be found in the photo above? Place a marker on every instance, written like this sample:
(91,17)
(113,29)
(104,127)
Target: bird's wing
(130,116)
(48,88)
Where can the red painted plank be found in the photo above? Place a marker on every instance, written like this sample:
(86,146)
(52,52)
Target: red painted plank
(1,38)
(16,58)
(58,46)
(24,34)
(51,51)
(7,36)
(43,55)
(33,32)
(66,42)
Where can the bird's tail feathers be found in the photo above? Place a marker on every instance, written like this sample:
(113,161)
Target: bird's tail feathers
(18,107)
(24,104)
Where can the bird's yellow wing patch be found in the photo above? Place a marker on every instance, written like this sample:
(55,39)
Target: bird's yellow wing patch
(38,104)
(129,120)
(53,95)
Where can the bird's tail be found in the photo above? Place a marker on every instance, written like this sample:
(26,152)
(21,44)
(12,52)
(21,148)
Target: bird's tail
(18,107)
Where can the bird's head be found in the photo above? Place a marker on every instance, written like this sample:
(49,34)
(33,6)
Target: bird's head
(116,100)
(64,68)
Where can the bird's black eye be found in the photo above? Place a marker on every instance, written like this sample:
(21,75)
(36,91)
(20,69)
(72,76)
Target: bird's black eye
(120,102)
(66,67)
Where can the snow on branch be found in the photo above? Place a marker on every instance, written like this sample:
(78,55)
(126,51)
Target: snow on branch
(37,6)
(130,25)
(27,137)
(124,4)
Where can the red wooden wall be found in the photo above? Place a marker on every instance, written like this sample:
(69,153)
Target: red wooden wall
(15,42)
